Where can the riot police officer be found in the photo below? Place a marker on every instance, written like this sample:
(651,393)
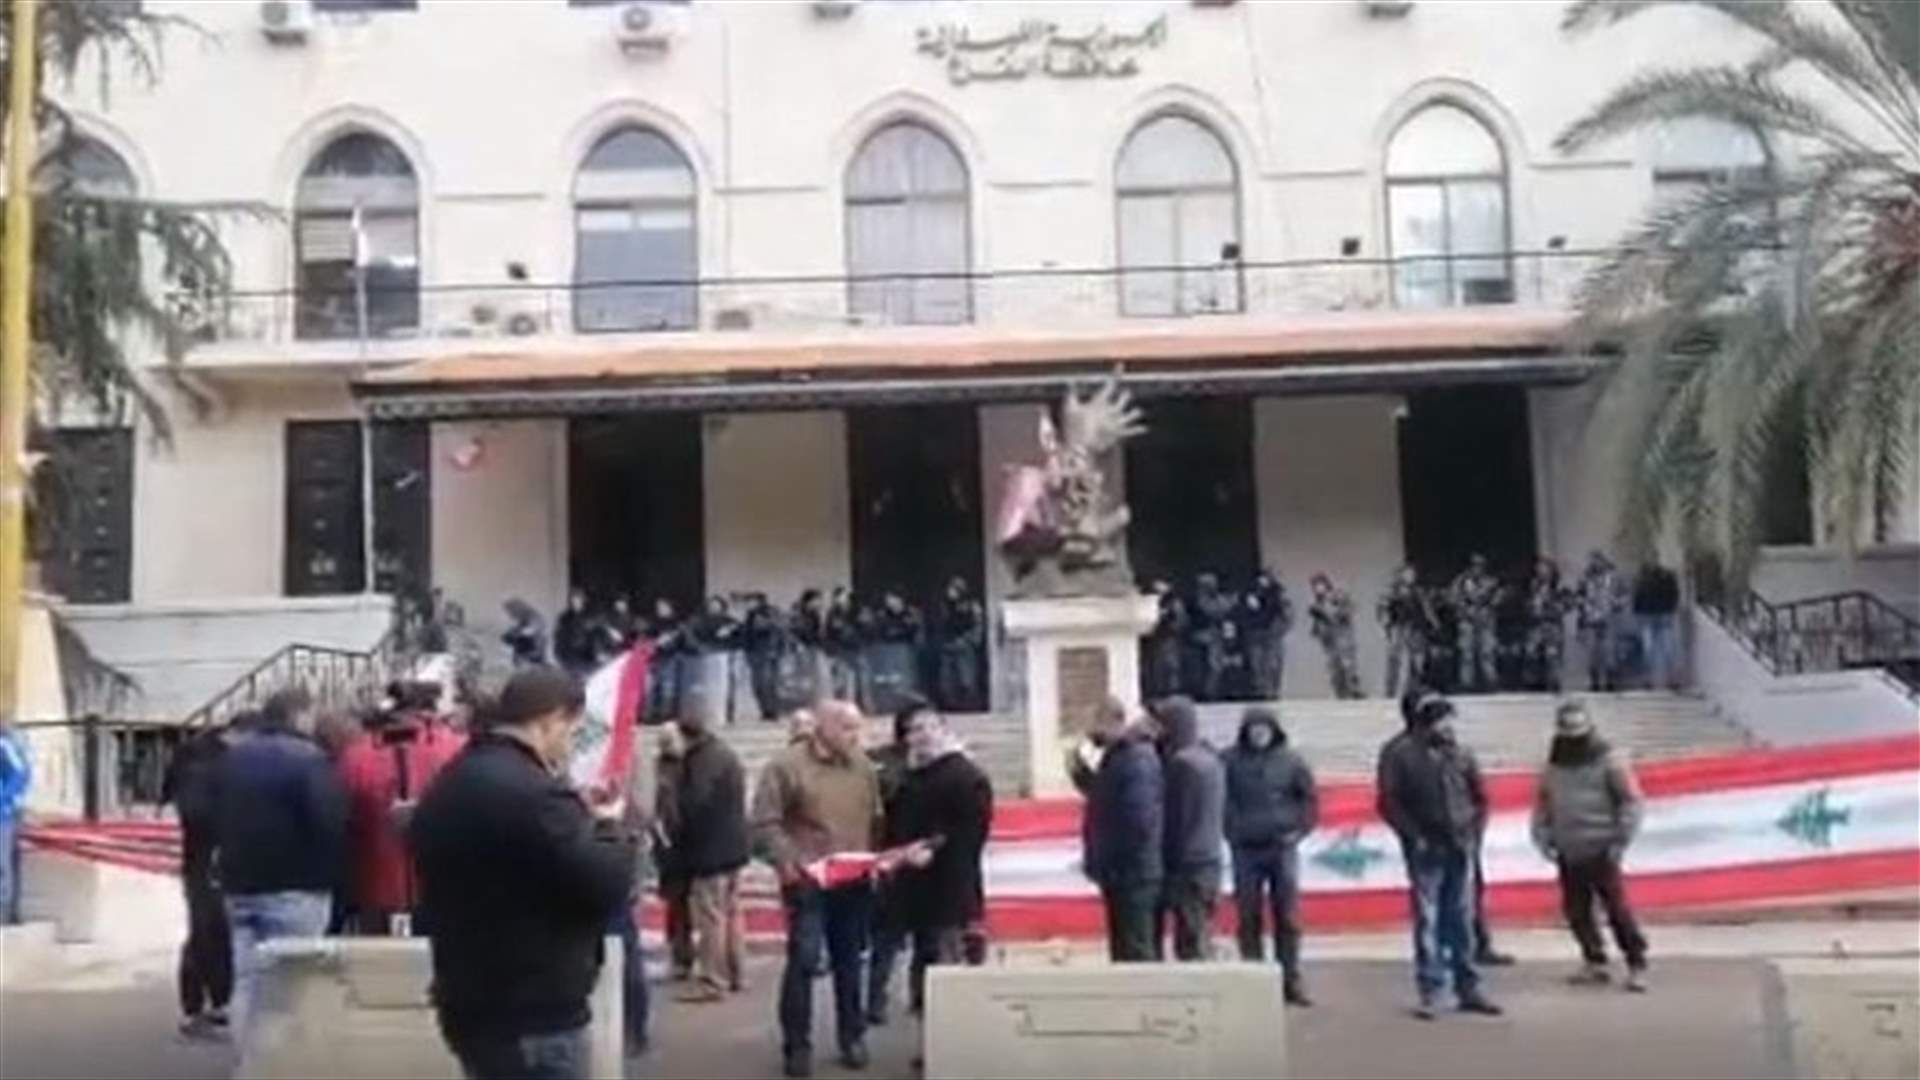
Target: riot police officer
(1266,617)
(1476,595)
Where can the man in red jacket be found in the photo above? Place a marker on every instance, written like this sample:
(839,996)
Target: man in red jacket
(384,772)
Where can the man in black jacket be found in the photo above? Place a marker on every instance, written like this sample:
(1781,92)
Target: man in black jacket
(1272,805)
(279,823)
(1118,771)
(206,958)
(519,879)
(1430,792)
(710,842)
(945,800)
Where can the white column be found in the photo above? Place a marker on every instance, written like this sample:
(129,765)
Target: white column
(1327,474)
(775,500)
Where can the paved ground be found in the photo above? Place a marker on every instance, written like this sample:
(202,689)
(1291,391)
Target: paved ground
(1705,1019)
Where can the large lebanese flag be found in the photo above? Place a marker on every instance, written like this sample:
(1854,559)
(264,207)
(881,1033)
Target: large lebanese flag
(1759,826)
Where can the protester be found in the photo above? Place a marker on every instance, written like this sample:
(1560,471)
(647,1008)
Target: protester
(520,878)
(819,797)
(642,801)
(675,886)
(1430,792)
(1119,773)
(1586,814)
(206,957)
(1656,606)
(280,826)
(16,779)
(384,772)
(1272,804)
(710,845)
(945,800)
(1191,837)
(889,917)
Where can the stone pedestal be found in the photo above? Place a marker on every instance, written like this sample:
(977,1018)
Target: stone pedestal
(1077,652)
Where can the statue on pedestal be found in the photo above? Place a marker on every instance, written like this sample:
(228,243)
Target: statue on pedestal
(1060,531)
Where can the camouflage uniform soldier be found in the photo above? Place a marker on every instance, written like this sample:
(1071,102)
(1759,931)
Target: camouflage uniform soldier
(1332,615)
(1403,612)
(1547,603)
(1602,596)
(1475,593)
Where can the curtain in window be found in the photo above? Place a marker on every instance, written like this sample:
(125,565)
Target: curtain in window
(907,214)
(1179,220)
(636,252)
(1447,226)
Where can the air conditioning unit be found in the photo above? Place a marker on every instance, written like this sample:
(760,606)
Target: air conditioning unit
(286,22)
(834,9)
(1386,9)
(648,29)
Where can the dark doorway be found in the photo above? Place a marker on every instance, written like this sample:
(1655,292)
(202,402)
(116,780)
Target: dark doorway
(326,523)
(634,509)
(1466,480)
(402,508)
(1190,485)
(82,514)
(914,474)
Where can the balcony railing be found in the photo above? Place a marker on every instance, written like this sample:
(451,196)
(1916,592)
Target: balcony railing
(1824,633)
(1050,297)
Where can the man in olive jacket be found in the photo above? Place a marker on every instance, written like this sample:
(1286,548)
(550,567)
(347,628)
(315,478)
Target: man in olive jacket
(1272,805)
(519,879)
(1587,812)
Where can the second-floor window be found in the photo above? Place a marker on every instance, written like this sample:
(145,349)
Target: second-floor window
(635,254)
(1447,211)
(909,237)
(357,242)
(87,168)
(1697,152)
(1179,210)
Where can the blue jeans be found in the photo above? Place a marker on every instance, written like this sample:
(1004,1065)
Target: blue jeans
(1442,892)
(1660,649)
(257,918)
(838,921)
(638,1006)
(559,1055)
(9,872)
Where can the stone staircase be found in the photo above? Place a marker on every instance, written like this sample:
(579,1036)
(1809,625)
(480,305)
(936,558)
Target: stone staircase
(1341,738)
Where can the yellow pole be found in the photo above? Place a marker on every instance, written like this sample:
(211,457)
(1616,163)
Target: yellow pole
(16,293)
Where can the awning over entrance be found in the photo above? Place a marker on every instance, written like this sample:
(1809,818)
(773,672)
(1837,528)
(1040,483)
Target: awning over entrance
(722,370)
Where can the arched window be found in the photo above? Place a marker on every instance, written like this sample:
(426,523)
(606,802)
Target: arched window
(1179,211)
(907,215)
(1697,152)
(87,167)
(1447,211)
(633,222)
(357,241)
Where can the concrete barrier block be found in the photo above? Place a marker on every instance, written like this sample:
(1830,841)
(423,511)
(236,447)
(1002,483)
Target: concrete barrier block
(1850,1018)
(1161,1020)
(359,1008)
(27,952)
(97,903)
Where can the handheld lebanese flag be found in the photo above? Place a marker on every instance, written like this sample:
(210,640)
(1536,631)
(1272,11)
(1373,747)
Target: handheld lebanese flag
(608,735)
(847,867)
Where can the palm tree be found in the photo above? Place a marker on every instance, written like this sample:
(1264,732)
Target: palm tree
(108,268)
(1768,327)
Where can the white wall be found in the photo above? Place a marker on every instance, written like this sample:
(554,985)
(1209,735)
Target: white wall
(1327,473)
(209,510)
(776,502)
(1797,710)
(500,528)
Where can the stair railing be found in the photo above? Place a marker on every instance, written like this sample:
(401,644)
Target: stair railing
(336,678)
(1834,632)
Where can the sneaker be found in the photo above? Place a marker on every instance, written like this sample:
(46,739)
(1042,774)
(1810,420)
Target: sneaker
(854,1055)
(195,1027)
(797,1063)
(217,1017)
(1636,981)
(1590,975)
(1478,1005)
(1296,996)
(1424,1010)
(1492,958)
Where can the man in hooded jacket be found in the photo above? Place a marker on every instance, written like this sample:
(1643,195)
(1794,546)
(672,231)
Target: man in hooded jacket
(1271,806)
(947,801)
(1191,837)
